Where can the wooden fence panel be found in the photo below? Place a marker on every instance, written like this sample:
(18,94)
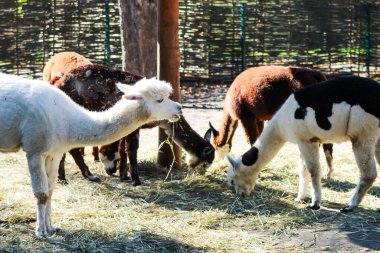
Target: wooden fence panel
(333,36)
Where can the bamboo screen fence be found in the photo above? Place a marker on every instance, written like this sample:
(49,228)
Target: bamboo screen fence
(218,39)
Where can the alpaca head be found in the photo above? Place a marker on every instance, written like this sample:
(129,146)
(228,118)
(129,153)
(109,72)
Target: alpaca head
(221,150)
(241,177)
(202,162)
(109,155)
(155,96)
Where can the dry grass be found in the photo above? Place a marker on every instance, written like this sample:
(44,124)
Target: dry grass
(187,213)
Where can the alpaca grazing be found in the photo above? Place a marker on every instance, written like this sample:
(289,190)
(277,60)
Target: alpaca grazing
(46,123)
(94,87)
(254,97)
(200,153)
(341,109)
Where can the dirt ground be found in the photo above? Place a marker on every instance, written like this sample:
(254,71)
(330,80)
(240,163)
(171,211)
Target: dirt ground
(202,105)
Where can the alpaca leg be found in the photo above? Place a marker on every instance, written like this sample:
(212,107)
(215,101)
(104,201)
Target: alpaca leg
(95,153)
(328,149)
(78,158)
(304,179)
(123,160)
(310,155)
(251,129)
(36,164)
(61,170)
(364,156)
(377,151)
(51,171)
(132,145)
(222,140)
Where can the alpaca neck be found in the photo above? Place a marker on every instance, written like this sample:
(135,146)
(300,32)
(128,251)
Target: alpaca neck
(226,131)
(267,145)
(98,128)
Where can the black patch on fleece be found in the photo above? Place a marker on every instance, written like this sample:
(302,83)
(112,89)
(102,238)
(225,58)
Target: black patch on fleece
(300,113)
(250,157)
(353,90)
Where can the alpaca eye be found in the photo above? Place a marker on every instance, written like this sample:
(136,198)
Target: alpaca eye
(160,100)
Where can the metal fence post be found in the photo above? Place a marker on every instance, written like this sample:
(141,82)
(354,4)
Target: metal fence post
(107,28)
(368,38)
(242,26)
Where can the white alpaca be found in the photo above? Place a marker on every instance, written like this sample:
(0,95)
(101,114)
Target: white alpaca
(337,110)
(46,123)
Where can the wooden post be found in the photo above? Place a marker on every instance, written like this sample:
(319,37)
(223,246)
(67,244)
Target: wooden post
(168,60)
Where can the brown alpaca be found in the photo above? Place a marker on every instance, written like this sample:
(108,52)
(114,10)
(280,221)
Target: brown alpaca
(60,63)
(254,97)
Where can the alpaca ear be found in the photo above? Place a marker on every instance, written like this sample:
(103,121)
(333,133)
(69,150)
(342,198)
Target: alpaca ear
(210,132)
(124,88)
(231,161)
(132,96)
(207,136)
(214,131)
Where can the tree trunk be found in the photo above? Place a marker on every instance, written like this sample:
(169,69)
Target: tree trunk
(139,35)
(168,68)
(138,24)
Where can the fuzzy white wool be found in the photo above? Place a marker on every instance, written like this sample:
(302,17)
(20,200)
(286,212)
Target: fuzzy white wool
(45,122)
(348,122)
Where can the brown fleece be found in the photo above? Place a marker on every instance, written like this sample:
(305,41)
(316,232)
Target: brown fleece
(257,93)
(62,62)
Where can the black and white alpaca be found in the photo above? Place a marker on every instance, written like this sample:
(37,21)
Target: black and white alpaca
(254,97)
(337,110)
(46,123)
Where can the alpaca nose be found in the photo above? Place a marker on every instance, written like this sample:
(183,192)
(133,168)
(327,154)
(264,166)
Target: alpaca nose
(179,108)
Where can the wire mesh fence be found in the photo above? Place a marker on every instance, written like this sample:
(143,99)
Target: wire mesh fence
(222,38)
(218,38)
(32,31)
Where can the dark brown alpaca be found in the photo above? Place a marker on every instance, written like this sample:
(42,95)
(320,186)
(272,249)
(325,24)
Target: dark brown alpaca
(94,87)
(254,97)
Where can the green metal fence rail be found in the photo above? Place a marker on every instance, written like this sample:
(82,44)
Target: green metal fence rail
(218,38)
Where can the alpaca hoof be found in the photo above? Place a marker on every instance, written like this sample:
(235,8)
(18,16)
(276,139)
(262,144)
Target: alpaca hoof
(53,230)
(44,233)
(63,181)
(94,179)
(299,200)
(346,209)
(327,177)
(125,178)
(41,234)
(136,183)
(313,207)
(111,171)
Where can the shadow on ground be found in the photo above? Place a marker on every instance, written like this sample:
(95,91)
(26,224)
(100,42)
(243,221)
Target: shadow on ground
(347,239)
(344,186)
(140,241)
